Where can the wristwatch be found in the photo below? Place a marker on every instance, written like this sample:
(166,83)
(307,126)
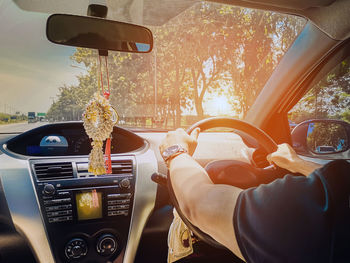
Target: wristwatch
(171,152)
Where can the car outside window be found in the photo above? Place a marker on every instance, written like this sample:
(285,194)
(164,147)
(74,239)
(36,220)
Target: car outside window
(211,60)
(325,112)
(327,99)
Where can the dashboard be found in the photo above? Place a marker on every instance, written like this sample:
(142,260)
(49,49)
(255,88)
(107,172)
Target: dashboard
(69,140)
(66,213)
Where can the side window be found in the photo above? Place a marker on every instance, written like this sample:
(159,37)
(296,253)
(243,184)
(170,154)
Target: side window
(322,116)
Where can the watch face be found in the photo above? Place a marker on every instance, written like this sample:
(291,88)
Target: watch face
(170,151)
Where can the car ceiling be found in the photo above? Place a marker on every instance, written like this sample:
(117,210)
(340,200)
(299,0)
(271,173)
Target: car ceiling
(144,12)
(331,16)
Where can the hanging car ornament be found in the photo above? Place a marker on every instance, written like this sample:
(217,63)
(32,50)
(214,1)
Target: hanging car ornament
(98,120)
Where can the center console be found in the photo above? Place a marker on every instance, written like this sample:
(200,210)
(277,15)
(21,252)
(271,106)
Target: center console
(87,218)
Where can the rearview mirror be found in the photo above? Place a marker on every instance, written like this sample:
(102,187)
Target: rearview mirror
(97,33)
(321,137)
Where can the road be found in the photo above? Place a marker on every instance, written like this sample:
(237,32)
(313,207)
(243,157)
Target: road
(19,127)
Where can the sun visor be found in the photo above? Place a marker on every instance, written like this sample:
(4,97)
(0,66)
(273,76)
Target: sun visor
(292,4)
(142,12)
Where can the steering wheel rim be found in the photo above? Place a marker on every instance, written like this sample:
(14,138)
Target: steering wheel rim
(264,140)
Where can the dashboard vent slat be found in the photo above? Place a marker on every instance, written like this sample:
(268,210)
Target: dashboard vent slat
(51,171)
(121,167)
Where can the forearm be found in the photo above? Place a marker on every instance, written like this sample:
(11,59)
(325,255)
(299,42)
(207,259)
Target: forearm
(187,178)
(305,167)
(208,206)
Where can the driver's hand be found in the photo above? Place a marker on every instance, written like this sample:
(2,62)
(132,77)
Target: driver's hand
(180,137)
(285,157)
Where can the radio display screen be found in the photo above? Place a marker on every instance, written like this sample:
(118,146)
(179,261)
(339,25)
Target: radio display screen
(89,205)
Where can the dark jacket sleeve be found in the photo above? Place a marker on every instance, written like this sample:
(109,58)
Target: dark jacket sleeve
(290,219)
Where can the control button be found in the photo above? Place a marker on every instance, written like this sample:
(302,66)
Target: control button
(118,213)
(57,201)
(58,207)
(50,214)
(113,196)
(48,202)
(124,201)
(52,208)
(118,196)
(112,207)
(106,245)
(60,219)
(125,183)
(65,206)
(64,218)
(122,212)
(53,220)
(128,195)
(64,200)
(49,189)
(62,194)
(111,213)
(77,251)
(59,213)
(76,248)
(119,202)
(117,207)
(122,206)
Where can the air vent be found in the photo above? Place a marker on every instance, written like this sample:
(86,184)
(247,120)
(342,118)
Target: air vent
(121,166)
(50,171)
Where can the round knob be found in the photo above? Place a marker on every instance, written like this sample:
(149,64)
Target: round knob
(106,245)
(76,248)
(76,251)
(49,189)
(125,183)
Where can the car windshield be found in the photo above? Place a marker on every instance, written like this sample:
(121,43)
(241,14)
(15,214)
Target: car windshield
(209,60)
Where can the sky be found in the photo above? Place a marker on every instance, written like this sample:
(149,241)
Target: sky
(31,68)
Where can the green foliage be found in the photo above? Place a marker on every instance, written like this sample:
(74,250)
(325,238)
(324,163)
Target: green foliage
(208,50)
(346,116)
(6,118)
(328,99)
(327,134)
(67,107)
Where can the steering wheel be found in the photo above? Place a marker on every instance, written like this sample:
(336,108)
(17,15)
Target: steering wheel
(261,175)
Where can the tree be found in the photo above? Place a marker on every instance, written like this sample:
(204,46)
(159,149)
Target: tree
(255,48)
(327,99)
(197,55)
(66,107)
(327,134)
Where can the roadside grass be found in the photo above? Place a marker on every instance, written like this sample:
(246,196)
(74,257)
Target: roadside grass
(12,122)
(9,119)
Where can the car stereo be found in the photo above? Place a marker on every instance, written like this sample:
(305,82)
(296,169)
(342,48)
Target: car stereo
(75,204)
(87,218)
